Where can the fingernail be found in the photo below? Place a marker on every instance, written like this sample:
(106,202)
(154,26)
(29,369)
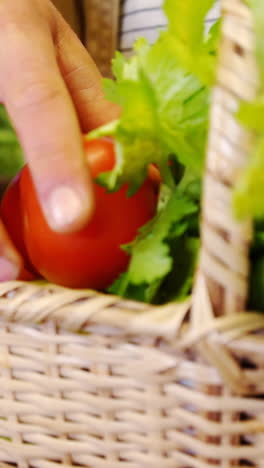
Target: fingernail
(65,208)
(8,270)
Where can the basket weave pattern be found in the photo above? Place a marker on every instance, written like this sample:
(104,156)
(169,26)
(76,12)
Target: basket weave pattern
(94,381)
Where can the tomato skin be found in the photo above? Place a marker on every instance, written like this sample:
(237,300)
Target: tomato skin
(11,216)
(100,155)
(92,257)
(10,213)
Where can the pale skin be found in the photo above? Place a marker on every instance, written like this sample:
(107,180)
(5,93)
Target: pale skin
(52,91)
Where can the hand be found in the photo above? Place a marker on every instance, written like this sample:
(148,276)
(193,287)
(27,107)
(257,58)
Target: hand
(52,91)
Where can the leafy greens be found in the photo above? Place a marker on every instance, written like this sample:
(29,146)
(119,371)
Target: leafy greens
(248,197)
(164,93)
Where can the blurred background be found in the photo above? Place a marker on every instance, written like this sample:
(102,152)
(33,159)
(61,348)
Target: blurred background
(96,22)
(73,12)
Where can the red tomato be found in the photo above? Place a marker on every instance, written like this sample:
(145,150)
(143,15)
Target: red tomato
(11,215)
(92,257)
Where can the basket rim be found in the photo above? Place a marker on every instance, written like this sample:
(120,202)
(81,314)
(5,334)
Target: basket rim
(35,304)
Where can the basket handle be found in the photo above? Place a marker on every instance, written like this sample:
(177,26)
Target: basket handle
(222,275)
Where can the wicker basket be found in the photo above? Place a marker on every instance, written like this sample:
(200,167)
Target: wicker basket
(88,380)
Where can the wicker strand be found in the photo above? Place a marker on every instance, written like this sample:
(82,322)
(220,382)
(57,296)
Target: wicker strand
(222,276)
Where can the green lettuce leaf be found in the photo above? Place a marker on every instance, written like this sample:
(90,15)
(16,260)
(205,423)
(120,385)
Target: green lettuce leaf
(248,196)
(178,283)
(158,250)
(256,286)
(164,93)
(186,27)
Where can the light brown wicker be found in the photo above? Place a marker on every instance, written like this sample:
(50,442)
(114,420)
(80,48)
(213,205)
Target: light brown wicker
(89,380)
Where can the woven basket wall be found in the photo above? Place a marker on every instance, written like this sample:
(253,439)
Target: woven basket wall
(88,380)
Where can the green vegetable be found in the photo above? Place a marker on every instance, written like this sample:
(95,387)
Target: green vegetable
(11,156)
(256,289)
(248,197)
(256,292)
(186,35)
(178,284)
(159,250)
(164,93)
